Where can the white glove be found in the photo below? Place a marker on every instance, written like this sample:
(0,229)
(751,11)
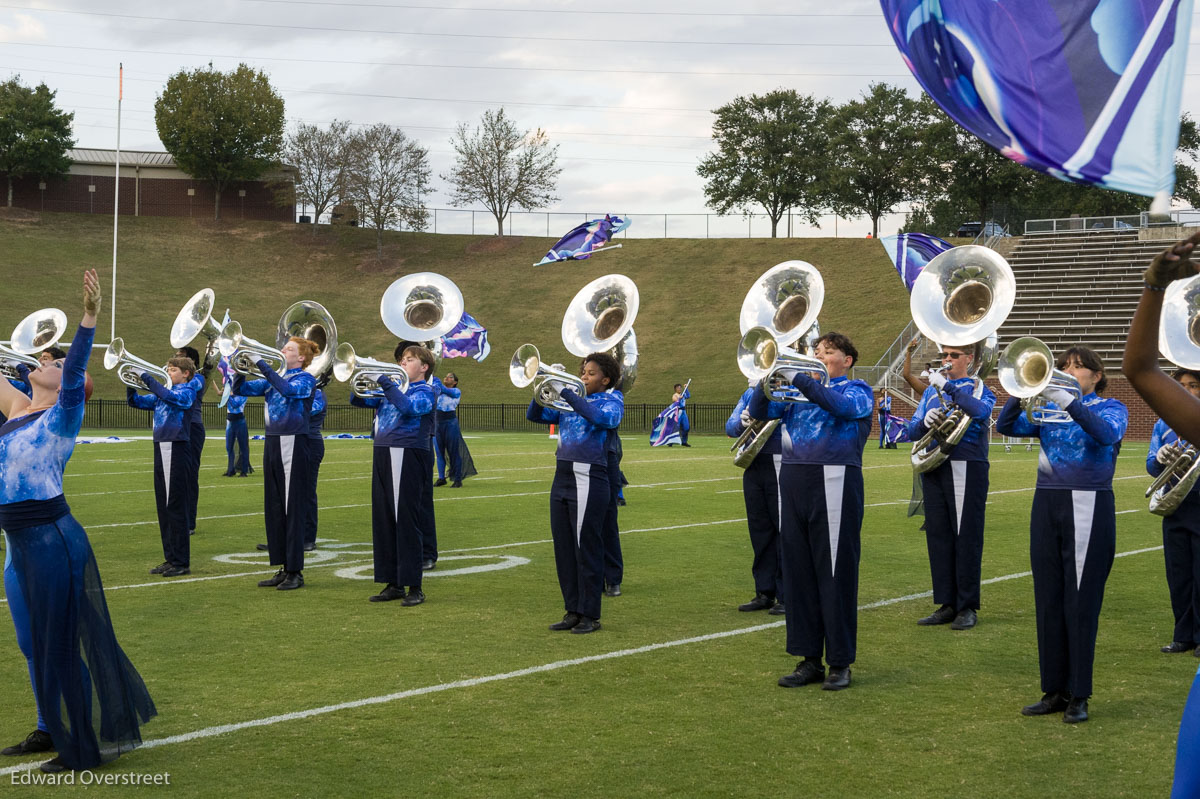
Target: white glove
(747,419)
(934,417)
(1167,453)
(937,380)
(1059,397)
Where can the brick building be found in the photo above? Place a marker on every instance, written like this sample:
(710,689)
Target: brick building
(151,185)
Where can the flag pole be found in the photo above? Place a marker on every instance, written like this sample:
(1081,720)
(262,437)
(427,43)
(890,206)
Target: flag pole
(112,302)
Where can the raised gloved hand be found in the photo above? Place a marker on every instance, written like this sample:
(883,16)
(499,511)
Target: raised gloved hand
(1059,397)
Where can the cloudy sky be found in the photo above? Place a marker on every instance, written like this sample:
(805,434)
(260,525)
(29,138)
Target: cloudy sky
(625,91)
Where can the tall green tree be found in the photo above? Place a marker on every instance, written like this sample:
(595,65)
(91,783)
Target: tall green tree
(879,155)
(772,151)
(500,166)
(34,134)
(221,127)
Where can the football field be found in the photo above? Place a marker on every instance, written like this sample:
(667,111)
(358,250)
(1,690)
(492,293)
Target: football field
(319,692)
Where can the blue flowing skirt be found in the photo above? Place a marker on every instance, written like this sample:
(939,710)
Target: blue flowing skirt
(93,698)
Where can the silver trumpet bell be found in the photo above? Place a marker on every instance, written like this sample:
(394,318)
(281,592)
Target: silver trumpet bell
(528,369)
(421,306)
(244,352)
(600,319)
(761,357)
(1179,326)
(1026,369)
(130,367)
(34,333)
(963,296)
(196,319)
(310,320)
(348,367)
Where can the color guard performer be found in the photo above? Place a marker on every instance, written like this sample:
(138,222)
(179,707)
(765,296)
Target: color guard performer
(821,485)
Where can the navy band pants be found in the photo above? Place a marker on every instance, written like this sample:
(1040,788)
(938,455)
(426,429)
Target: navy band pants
(172,473)
(760,489)
(578,502)
(955,502)
(397,482)
(286,466)
(1181,551)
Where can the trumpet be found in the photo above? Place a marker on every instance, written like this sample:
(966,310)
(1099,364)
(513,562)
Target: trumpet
(1184,468)
(130,367)
(348,367)
(34,333)
(1026,369)
(527,369)
(244,352)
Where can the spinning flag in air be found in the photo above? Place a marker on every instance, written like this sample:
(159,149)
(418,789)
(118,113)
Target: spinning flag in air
(586,239)
(911,251)
(1085,91)
(468,339)
(666,425)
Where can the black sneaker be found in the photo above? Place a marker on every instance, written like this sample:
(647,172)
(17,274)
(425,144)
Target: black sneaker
(837,679)
(1050,703)
(291,582)
(271,582)
(415,597)
(390,592)
(162,567)
(806,673)
(36,741)
(760,602)
(568,621)
(176,571)
(586,625)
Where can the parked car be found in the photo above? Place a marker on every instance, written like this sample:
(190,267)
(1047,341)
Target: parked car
(969,230)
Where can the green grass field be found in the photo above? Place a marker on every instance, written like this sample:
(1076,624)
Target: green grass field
(318,692)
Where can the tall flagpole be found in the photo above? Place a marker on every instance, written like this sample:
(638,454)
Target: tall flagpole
(112,302)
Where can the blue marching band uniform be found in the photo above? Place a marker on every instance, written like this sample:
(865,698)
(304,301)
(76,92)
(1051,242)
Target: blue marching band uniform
(402,471)
(821,486)
(1072,538)
(449,446)
(92,701)
(955,496)
(286,466)
(760,489)
(614,561)
(579,498)
(316,454)
(1181,549)
(172,466)
(199,386)
(237,437)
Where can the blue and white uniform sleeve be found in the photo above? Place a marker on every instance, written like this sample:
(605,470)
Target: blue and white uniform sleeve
(963,395)
(1105,423)
(292,389)
(1013,422)
(539,415)
(762,408)
(853,403)
(178,396)
(916,425)
(145,402)
(733,425)
(604,412)
(1153,467)
(249,388)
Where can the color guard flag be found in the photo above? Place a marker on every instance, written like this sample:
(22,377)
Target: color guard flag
(1086,91)
(586,239)
(911,251)
(468,339)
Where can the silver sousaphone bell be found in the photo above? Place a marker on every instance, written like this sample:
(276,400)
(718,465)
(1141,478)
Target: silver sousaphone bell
(600,319)
(310,320)
(421,307)
(36,332)
(781,307)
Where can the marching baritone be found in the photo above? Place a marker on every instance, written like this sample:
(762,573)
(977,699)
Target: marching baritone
(286,463)
(760,490)
(1072,527)
(1181,532)
(821,486)
(955,491)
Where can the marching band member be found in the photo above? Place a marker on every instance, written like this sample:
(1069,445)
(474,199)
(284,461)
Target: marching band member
(237,436)
(95,699)
(760,490)
(820,482)
(199,384)
(316,454)
(614,560)
(1181,548)
(955,492)
(286,463)
(447,437)
(579,495)
(1072,529)
(402,469)
(172,459)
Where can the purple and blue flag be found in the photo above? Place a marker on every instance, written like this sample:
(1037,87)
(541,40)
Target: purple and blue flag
(911,251)
(586,239)
(1087,92)
(468,339)
(666,429)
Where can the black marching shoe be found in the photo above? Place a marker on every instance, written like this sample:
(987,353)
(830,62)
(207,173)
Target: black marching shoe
(806,673)
(621,501)
(943,615)
(760,602)
(162,567)
(687,445)
(1177,646)
(391,591)
(965,620)
(441,481)
(613,589)
(838,679)
(568,621)
(1076,711)
(427,564)
(271,582)
(415,597)
(36,741)
(229,473)
(261,547)
(191,532)
(55,766)
(176,571)
(778,610)
(310,547)
(291,582)
(586,625)
(456,484)
(1050,703)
